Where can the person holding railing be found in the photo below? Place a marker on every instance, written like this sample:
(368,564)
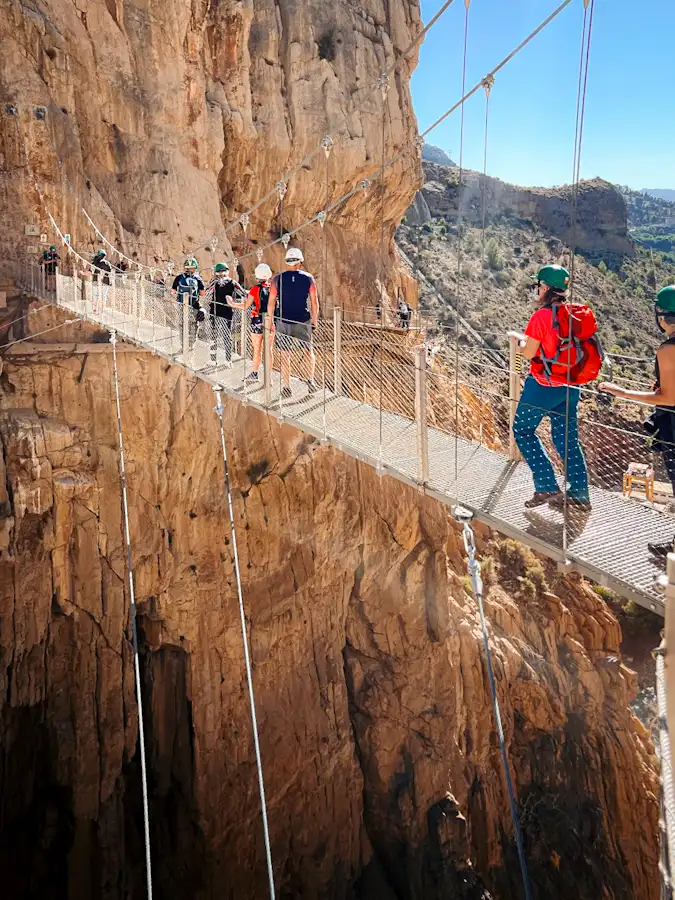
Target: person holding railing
(224,294)
(294,293)
(102,272)
(188,287)
(660,425)
(49,262)
(257,301)
(550,390)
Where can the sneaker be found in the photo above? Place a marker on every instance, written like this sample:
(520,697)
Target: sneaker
(541,497)
(286,392)
(312,386)
(558,502)
(251,377)
(661,550)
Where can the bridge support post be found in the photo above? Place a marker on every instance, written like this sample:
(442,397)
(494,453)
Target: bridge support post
(514,394)
(244,337)
(337,350)
(135,286)
(186,326)
(421,415)
(267,359)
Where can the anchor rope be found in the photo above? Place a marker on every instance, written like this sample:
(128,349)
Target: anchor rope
(134,629)
(474,572)
(218,409)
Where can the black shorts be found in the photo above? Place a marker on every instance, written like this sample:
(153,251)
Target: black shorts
(294,335)
(257,325)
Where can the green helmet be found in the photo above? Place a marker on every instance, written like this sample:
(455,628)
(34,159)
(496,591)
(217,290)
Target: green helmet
(222,267)
(190,264)
(555,277)
(665,299)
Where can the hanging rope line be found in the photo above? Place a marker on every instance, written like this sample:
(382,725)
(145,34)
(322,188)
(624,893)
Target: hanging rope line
(666,776)
(30,337)
(247,657)
(384,87)
(460,177)
(586,33)
(134,629)
(464,517)
(493,72)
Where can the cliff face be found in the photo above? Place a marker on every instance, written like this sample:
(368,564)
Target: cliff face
(601,216)
(167,120)
(381,763)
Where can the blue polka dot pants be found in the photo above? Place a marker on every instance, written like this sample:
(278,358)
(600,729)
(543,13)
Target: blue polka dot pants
(538,401)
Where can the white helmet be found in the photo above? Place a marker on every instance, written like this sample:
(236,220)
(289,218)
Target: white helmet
(294,255)
(263,272)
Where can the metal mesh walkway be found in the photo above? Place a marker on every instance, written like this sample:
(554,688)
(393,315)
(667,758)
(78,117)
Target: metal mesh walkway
(377,402)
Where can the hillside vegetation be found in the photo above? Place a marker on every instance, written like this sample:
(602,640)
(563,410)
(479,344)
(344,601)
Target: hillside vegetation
(489,282)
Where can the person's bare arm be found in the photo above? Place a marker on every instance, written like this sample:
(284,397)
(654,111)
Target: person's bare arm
(314,303)
(663,396)
(272,301)
(531,348)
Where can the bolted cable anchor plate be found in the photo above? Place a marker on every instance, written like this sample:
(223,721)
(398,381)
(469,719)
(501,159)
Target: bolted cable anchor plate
(383,84)
(488,84)
(244,220)
(321,218)
(281,189)
(285,240)
(327,145)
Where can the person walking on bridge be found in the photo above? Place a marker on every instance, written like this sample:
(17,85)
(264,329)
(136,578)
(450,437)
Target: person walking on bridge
(257,301)
(223,293)
(294,303)
(546,393)
(49,262)
(188,287)
(661,423)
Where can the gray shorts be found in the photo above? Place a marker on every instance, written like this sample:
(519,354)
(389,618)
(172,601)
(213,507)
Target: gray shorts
(294,335)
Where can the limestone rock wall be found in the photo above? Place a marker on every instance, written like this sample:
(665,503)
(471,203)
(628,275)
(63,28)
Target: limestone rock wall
(601,219)
(381,762)
(166,120)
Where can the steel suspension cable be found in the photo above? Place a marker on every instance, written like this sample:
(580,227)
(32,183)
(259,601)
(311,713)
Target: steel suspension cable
(247,656)
(667,823)
(584,62)
(467,4)
(134,629)
(384,84)
(324,285)
(464,517)
(488,85)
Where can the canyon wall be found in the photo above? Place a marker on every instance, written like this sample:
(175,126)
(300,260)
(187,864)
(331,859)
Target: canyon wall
(168,120)
(381,762)
(598,213)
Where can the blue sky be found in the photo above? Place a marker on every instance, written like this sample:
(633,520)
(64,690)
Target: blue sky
(629,134)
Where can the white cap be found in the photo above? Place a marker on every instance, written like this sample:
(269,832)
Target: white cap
(262,272)
(294,255)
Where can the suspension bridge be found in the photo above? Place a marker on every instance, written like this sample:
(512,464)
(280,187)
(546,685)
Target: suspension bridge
(428,406)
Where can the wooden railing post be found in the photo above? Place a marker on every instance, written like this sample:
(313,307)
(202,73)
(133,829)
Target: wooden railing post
(186,325)
(337,350)
(514,392)
(421,415)
(244,337)
(267,358)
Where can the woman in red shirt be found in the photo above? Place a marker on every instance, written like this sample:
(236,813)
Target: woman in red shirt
(257,302)
(543,397)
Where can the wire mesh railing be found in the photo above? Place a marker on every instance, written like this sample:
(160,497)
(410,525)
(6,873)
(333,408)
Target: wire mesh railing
(438,413)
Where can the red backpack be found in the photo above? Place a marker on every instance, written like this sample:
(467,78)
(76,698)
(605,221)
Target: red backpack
(579,355)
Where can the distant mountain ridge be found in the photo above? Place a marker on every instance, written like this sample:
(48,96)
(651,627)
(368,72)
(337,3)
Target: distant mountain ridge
(660,193)
(433,154)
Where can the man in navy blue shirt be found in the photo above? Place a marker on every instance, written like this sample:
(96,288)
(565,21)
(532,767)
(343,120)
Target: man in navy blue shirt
(294,302)
(188,287)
